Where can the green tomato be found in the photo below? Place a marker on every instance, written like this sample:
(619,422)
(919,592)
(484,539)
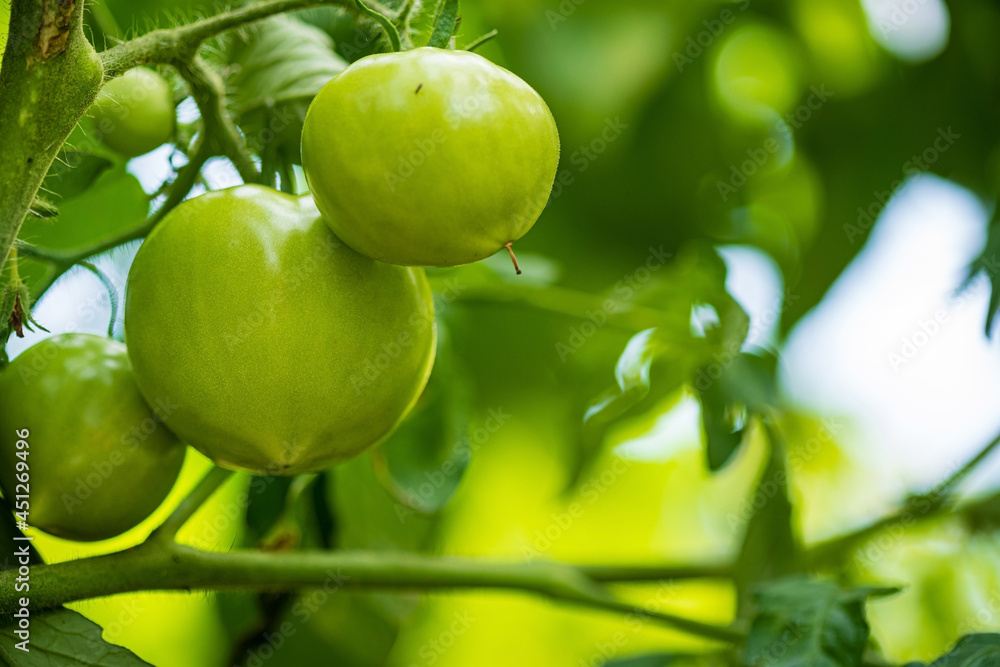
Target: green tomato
(285,350)
(98,459)
(134,113)
(429,157)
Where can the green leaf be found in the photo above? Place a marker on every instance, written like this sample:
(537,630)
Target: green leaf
(387,25)
(265,505)
(978,650)
(72,173)
(276,72)
(988,262)
(808,622)
(693,283)
(63,638)
(113,204)
(769,548)
(427,456)
(699,321)
(444,24)
(631,378)
(722,434)
(731,389)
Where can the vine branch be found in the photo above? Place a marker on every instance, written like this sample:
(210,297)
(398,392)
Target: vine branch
(165,46)
(916,507)
(209,484)
(218,130)
(158,566)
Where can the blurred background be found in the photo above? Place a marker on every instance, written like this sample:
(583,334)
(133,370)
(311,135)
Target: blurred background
(837,159)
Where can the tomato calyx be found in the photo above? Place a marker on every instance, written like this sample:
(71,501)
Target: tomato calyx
(17,310)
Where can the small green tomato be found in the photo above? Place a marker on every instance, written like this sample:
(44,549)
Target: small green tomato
(134,113)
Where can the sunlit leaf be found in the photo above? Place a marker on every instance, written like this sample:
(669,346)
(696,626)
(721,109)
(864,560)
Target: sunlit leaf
(114,203)
(63,638)
(276,72)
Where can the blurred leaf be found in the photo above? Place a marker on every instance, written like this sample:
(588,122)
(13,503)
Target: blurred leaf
(722,435)
(369,518)
(64,638)
(700,323)
(277,71)
(769,548)
(800,621)
(266,506)
(427,455)
(326,520)
(988,263)
(731,389)
(113,204)
(978,650)
(631,377)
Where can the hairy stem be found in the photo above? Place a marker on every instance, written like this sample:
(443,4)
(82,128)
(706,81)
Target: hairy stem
(64,261)
(219,132)
(158,566)
(50,75)
(166,46)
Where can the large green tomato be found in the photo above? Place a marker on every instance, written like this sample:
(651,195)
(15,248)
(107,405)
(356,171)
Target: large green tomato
(98,459)
(429,157)
(285,350)
(134,113)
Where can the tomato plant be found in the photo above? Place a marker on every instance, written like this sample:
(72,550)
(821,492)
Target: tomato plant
(677,434)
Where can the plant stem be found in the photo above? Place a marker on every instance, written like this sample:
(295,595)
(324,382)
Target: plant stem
(917,507)
(49,77)
(218,131)
(208,485)
(159,566)
(569,303)
(166,46)
(646,573)
(179,190)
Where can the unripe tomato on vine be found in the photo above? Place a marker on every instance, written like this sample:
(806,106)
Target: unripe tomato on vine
(245,309)
(98,459)
(429,157)
(134,113)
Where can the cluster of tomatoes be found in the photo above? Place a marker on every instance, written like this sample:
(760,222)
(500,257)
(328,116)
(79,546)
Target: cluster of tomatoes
(280,334)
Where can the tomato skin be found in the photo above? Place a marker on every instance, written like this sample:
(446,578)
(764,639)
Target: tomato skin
(134,113)
(429,157)
(286,351)
(99,460)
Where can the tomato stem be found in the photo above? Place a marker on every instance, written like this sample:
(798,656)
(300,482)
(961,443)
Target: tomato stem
(513,257)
